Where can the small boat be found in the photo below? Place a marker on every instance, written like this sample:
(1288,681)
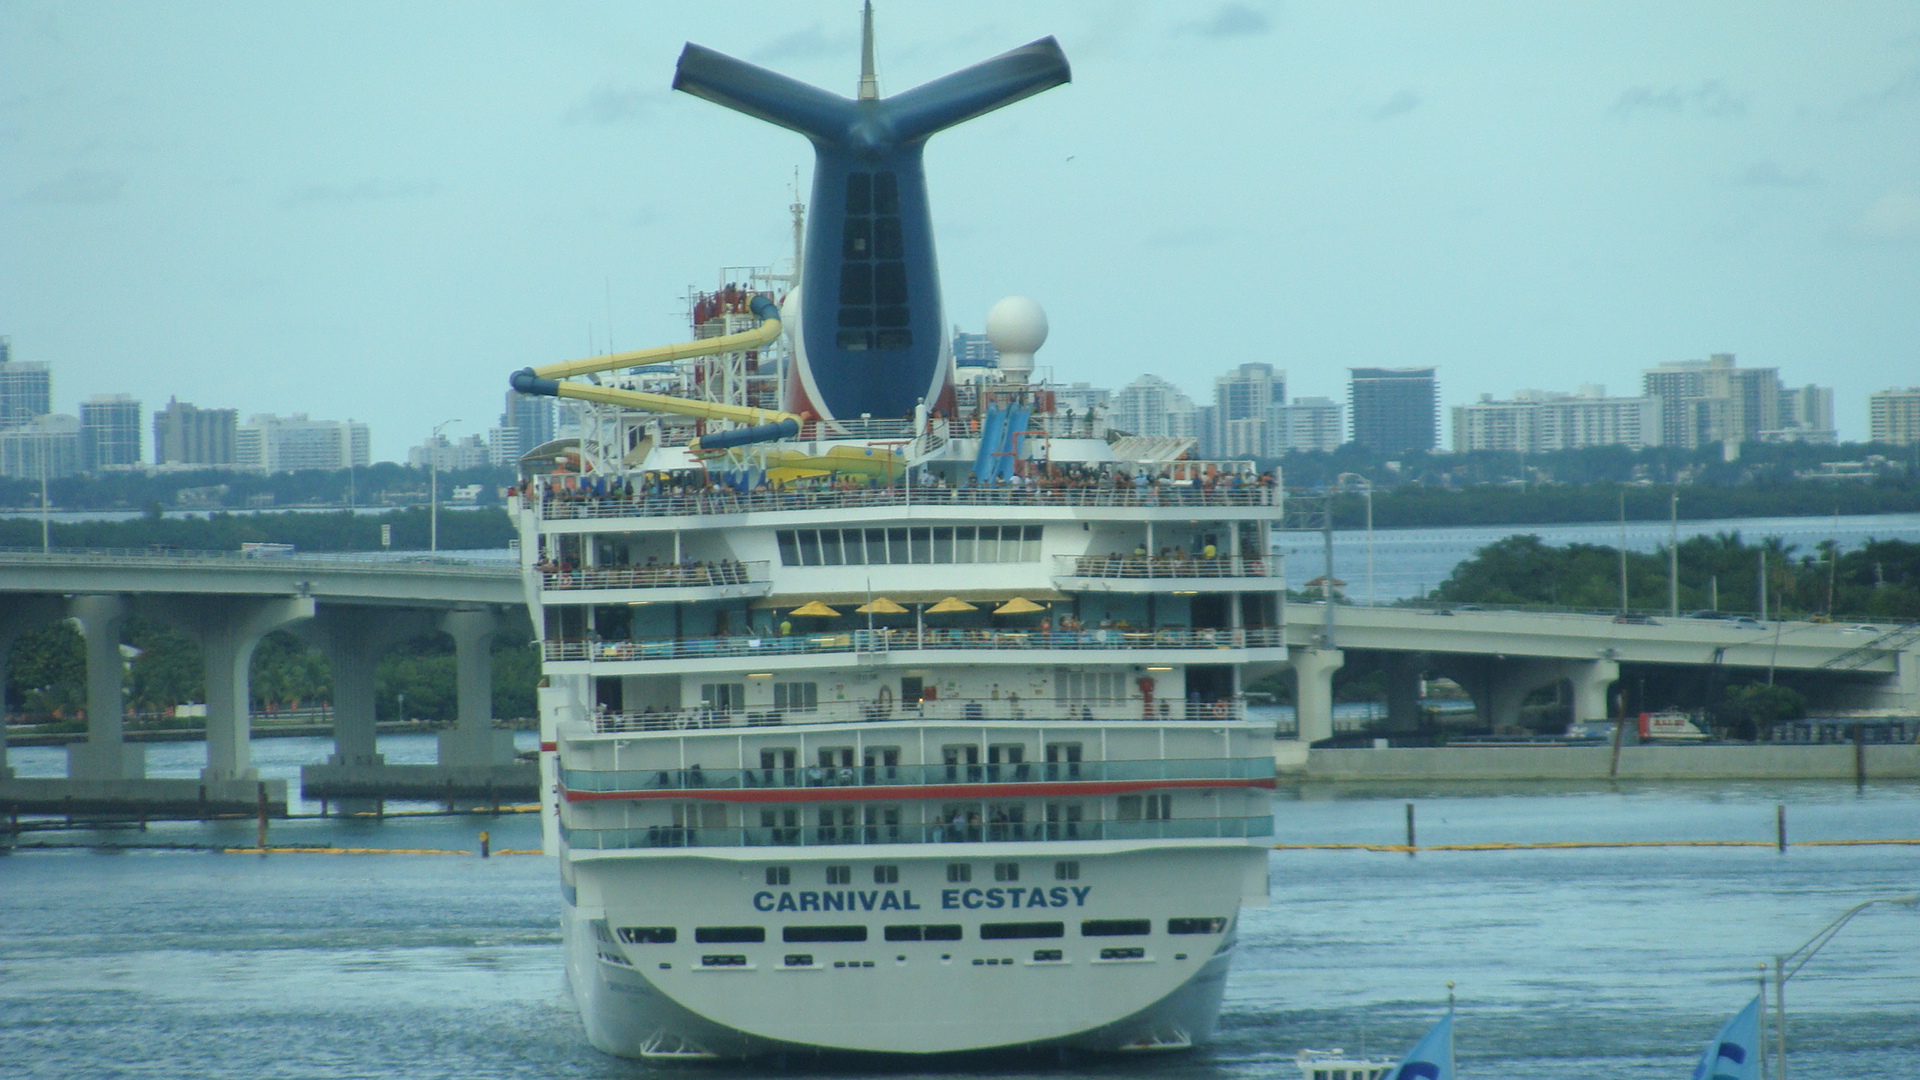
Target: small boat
(1670,726)
(1336,1064)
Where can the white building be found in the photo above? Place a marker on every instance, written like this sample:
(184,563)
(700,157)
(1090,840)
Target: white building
(1150,405)
(49,442)
(1893,416)
(1536,421)
(444,455)
(272,444)
(1247,420)
(1313,423)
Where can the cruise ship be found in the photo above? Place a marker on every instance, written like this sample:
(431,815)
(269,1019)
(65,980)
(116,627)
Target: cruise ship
(889,705)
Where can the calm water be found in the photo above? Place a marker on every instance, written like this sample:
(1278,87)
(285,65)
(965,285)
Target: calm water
(1610,963)
(1408,562)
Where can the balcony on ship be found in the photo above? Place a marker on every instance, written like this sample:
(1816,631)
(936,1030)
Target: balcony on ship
(976,830)
(1126,644)
(929,710)
(694,780)
(659,583)
(1162,573)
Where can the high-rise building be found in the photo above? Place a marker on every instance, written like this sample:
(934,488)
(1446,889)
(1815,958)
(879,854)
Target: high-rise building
(109,431)
(1536,421)
(1246,412)
(1313,423)
(445,455)
(46,446)
(1893,416)
(26,388)
(1394,409)
(186,435)
(1806,415)
(1715,400)
(271,444)
(973,350)
(1150,405)
(532,416)
(1080,397)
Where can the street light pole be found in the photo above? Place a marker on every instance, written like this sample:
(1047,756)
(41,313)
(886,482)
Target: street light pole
(1372,598)
(433,486)
(1673,555)
(1786,967)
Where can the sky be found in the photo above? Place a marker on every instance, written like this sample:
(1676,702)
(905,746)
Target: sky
(377,210)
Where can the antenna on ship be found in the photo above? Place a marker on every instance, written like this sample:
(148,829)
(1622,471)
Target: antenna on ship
(869,85)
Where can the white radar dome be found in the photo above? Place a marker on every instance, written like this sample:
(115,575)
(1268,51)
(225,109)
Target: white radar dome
(1017,327)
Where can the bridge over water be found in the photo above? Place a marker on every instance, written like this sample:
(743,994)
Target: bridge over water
(353,609)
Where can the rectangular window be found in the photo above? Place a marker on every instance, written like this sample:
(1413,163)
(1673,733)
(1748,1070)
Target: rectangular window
(1123,954)
(963,543)
(724,697)
(886,193)
(810,548)
(943,545)
(799,959)
(860,192)
(728,935)
(779,875)
(887,240)
(1006,871)
(890,283)
(856,283)
(789,547)
(648,935)
(1048,956)
(1006,930)
(723,960)
(830,547)
(1116,927)
(886,875)
(1067,871)
(854,543)
(1144,808)
(823,933)
(921,544)
(796,696)
(988,548)
(935,932)
(839,875)
(1196,926)
(958,872)
(897,553)
(1030,544)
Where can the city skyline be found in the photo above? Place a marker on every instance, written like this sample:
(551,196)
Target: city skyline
(277,208)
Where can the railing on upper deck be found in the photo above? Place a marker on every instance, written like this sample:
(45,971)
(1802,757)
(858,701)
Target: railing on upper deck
(1021,772)
(692,576)
(1157,566)
(936,710)
(566,506)
(674,836)
(910,640)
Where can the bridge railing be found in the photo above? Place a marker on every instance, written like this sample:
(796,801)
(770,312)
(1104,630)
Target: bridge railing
(1157,567)
(756,572)
(354,561)
(940,710)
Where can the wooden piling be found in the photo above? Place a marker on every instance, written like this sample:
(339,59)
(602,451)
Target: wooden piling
(1410,841)
(486,847)
(1780,826)
(260,805)
(1859,755)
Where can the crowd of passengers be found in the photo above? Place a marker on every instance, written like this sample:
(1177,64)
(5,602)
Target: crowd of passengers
(961,828)
(563,574)
(1045,477)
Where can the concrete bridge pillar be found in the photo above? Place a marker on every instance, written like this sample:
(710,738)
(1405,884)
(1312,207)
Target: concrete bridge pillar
(1591,680)
(105,755)
(473,741)
(1508,685)
(228,628)
(18,615)
(1313,691)
(1403,691)
(354,639)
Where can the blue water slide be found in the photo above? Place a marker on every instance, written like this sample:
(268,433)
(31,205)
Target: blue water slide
(992,427)
(1012,439)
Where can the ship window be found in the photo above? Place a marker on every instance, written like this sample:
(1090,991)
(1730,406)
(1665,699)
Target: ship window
(1063,823)
(856,283)
(1116,927)
(830,547)
(856,548)
(839,875)
(1006,930)
(823,933)
(799,959)
(1092,687)
(1144,808)
(725,697)
(856,240)
(886,875)
(717,935)
(856,316)
(943,545)
(726,960)
(1030,544)
(886,194)
(959,872)
(855,340)
(1196,926)
(922,541)
(893,340)
(796,696)
(1067,871)
(1135,953)
(810,548)
(877,547)
(789,548)
(887,242)
(860,192)
(894,315)
(890,283)
(1044,956)
(779,875)
(934,932)
(1006,871)
(897,547)
(648,935)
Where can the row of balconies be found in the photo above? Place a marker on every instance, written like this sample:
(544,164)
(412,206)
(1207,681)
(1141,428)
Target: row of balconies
(953,710)
(694,780)
(675,836)
(575,505)
(887,640)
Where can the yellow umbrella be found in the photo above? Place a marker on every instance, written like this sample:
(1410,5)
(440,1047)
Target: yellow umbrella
(880,606)
(815,607)
(1019,605)
(951,603)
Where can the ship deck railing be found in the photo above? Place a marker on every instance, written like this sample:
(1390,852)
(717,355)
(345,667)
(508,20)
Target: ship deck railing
(685,576)
(693,779)
(675,836)
(884,640)
(931,710)
(1160,567)
(575,505)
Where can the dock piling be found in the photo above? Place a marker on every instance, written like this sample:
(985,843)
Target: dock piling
(1410,843)
(486,846)
(1780,827)
(260,806)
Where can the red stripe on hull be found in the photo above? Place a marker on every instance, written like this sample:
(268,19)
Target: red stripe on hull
(922,791)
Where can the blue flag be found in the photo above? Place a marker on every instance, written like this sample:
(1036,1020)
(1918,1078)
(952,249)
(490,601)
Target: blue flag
(1431,1058)
(1734,1054)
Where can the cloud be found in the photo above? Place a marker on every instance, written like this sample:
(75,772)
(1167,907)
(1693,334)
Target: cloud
(1899,92)
(1231,20)
(1769,174)
(364,191)
(808,44)
(610,105)
(1895,216)
(1400,104)
(1711,98)
(79,187)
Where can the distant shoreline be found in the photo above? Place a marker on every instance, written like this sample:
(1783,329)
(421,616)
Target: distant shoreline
(259,731)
